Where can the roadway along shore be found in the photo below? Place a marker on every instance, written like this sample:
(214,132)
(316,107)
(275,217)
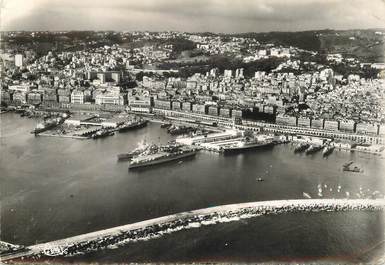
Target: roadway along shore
(153,228)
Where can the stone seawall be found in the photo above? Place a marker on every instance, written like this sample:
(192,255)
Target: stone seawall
(154,228)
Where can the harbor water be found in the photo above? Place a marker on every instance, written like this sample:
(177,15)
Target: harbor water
(52,188)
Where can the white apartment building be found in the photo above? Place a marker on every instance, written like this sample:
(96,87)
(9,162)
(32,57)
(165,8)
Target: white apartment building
(77,97)
(109,98)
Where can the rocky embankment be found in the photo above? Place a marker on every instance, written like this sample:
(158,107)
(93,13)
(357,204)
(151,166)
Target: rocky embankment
(154,228)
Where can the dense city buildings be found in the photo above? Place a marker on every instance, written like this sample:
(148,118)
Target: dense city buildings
(298,91)
(245,147)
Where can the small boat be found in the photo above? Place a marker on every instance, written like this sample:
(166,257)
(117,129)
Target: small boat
(260,179)
(102,133)
(354,169)
(165,125)
(349,166)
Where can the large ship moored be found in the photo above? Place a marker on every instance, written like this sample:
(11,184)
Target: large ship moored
(161,154)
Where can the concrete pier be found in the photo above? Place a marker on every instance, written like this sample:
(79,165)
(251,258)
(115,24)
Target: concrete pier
(62,136)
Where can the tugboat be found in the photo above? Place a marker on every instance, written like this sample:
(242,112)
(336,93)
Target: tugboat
(102,133)
(327,150)
(301,147)
(132,125)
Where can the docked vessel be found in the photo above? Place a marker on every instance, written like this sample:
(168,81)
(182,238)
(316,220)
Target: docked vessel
(161,154)
(178,130)
(102,133)
(127,156)
(47,125)
(132,125)
(165,125)
(327,150)
(312,149)
(246,144)
(301,147)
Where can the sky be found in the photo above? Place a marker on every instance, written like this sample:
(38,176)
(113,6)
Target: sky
(192,15)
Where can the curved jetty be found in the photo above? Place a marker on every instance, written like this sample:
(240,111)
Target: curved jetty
(154,228)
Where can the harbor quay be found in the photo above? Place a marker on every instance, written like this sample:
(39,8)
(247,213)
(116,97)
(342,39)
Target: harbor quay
(84,124)
(275,128)
(213,140)
(157,227)
(159,114)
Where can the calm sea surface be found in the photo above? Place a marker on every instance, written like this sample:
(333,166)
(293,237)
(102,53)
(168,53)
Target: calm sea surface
(52,188)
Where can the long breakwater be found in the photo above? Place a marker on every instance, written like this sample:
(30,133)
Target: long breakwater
(155,228)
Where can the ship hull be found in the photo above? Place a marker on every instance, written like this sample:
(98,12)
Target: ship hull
(40,130)
(234,150)
(125,157)
(97,136)
(301,148)
(162,160)
(165,125)
(132,127)
(313,150)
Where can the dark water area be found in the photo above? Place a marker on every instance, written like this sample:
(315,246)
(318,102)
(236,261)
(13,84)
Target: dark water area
(334,237)
(52,188)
